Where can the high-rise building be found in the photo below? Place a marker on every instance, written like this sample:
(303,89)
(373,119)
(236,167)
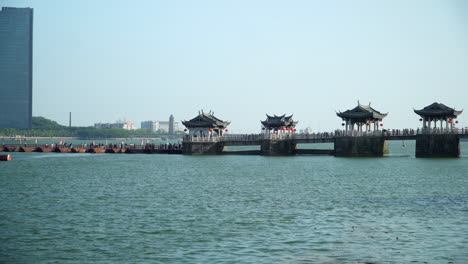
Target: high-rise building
(16,59)
(153,125)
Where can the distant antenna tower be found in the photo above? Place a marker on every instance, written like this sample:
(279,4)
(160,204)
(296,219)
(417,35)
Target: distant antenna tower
(69,120)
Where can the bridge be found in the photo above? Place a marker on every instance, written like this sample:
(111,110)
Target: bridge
(363,134)
(94,148)
(429,142)
(325,137)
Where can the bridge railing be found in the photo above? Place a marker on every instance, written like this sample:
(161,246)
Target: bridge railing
(235,137)
(441,131)
(257,137)
(388,132)
(201,139)
(403,132)
(326,135)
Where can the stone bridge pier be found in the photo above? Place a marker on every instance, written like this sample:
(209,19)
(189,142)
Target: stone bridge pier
(437,146)
(203,148)
(368,146)
(277,147)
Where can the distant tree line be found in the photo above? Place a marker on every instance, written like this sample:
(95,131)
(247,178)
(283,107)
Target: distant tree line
(43,127)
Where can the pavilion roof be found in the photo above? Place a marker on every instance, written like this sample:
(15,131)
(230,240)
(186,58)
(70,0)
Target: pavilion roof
(206,120)
(362,112)
(279,121)
(438,110)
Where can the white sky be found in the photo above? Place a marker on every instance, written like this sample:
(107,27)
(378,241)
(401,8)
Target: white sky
(144,60)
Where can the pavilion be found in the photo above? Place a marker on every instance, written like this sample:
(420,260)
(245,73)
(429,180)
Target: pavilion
(438,112)
(205,125)
(279,123)
(362,115)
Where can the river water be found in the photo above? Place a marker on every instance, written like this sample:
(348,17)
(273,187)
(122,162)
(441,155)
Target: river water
(123,208)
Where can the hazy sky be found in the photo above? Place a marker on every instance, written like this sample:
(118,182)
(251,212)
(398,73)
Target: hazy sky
(144,60)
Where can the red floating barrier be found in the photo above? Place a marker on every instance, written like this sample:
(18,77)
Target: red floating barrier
(5,157)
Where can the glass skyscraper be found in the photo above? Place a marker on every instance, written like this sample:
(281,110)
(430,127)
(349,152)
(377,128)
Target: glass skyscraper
(16,51)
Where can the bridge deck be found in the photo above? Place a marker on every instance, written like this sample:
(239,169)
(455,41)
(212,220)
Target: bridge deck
(250,140)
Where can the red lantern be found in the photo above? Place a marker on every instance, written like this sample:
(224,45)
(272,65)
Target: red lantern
(381,124)
(456,122)
(211,130)
(450,121)
(185,130)
(263,128)
(343,124)
(294,130)
(282,128)
(226,130)
(420,119)
(367,124)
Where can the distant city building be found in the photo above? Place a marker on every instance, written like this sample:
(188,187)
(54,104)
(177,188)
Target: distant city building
(109,125)
(171,125)
(129,125)
(306,130)
(16,59)
(153,125)
(164,126)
